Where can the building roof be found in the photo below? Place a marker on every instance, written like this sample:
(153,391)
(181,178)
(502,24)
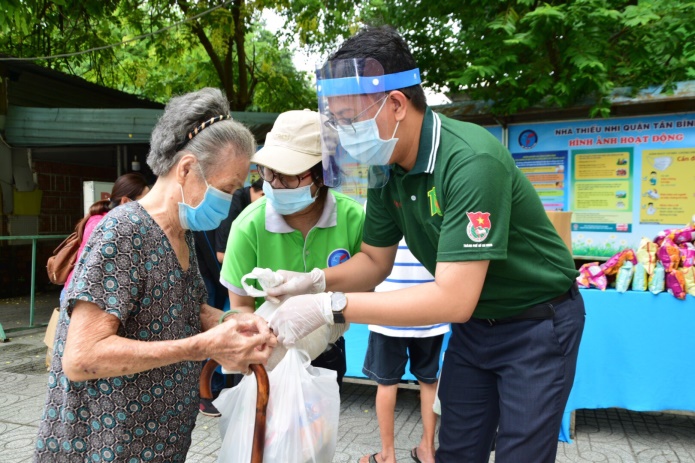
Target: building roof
(89,126)
(52,108)
(38,86)
(654,100)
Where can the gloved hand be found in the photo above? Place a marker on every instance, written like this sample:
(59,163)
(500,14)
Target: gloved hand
(337,330)
(300,315)
(299,283)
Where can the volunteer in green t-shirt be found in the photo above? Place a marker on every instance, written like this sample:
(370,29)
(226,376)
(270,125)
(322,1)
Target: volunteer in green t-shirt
(299,225)
(503,276)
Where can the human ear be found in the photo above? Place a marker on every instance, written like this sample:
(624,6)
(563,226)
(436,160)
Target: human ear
(184,167)
(398,104)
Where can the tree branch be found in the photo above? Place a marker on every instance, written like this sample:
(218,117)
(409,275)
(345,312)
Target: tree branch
(229,69)
(554,59)
(205,41)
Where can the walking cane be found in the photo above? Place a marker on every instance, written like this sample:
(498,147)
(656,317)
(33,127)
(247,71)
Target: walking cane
(262,391)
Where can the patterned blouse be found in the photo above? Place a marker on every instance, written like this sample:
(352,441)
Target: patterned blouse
(130,270)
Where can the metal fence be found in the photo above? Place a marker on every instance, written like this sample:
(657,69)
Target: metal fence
(32,299)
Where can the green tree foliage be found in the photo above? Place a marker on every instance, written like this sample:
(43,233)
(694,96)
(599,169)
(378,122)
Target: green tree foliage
(228,48)
(521,53)
(513,54)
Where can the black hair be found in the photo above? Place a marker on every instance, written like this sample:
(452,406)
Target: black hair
(317,176)
(385,45)
(257,185)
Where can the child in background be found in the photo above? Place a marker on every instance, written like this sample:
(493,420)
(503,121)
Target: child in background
(388,351)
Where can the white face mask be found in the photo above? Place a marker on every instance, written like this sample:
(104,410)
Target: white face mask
(364,143)
(288,201)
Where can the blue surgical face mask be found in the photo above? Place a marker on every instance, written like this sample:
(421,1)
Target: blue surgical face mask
(286,201)
(364,143)
(209,214)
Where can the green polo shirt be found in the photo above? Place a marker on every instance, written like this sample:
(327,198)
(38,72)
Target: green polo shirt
(260,237)
(465,200)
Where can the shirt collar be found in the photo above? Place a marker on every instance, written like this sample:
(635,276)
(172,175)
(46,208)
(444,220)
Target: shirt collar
(429,144)
(275,223)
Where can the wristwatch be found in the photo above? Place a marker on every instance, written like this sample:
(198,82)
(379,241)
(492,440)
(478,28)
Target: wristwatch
(338,303)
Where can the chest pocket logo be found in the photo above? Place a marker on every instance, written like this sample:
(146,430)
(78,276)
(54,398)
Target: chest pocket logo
(337,257)
(434,204)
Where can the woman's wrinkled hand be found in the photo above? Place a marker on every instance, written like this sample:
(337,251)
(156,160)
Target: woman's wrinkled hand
(242,340)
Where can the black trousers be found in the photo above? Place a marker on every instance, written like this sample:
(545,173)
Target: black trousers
(333,359)
(516,376)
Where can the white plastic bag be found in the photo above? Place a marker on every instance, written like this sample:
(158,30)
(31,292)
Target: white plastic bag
(238,408)
(302,416)
(314,344)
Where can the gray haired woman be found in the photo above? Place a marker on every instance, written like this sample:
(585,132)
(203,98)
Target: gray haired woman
(134,326)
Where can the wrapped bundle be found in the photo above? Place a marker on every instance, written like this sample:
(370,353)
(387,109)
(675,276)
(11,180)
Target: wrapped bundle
(612,265)
(639,278)
(669,255)
(689,279)
(677,235)
(684,235)
(675,284)
(646,255)
(657,280)
(590,274)
(622,281)
(662,235)
(687,251)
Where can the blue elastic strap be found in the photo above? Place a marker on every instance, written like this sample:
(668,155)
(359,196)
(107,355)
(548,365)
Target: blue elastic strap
(360,85)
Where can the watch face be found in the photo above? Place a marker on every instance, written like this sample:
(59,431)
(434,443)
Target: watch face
(338,301)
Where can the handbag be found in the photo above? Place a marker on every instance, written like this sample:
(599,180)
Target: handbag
(61,263)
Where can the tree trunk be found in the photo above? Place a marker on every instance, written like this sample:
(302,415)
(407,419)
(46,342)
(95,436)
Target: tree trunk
(242,96)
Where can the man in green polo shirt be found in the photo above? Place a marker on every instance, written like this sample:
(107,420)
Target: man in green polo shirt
(300,224)
(503,276)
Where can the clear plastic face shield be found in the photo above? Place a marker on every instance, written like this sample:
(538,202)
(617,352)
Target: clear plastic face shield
(351,94)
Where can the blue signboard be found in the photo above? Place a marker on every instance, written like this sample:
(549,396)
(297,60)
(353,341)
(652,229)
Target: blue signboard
(622,178)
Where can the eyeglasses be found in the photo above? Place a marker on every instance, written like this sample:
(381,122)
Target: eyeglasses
(343,123)
(288,181)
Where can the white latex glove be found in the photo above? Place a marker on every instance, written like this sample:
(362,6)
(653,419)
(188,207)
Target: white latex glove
(300,315)
(337,330)
(297,283)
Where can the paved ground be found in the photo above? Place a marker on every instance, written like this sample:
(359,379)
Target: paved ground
(612,436)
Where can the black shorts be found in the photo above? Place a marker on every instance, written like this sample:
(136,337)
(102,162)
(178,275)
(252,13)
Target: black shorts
(387,356)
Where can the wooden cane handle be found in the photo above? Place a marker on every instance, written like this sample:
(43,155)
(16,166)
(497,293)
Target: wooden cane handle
(262,394)
(206,379)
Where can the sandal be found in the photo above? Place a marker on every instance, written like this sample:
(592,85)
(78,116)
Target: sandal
(372,458)
(413,455)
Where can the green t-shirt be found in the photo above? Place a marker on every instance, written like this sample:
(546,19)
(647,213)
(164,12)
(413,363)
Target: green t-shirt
(260,237)
(465,200)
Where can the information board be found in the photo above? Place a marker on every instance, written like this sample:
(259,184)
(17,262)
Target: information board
(622,178)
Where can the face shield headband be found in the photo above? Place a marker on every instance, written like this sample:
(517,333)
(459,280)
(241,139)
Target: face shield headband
(364,85)
(346,83)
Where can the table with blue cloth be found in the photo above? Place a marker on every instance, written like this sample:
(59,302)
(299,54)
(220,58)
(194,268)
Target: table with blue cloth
(636,353)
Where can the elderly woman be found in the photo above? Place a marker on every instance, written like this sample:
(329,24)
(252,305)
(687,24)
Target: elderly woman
(134,326)
(299,225)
